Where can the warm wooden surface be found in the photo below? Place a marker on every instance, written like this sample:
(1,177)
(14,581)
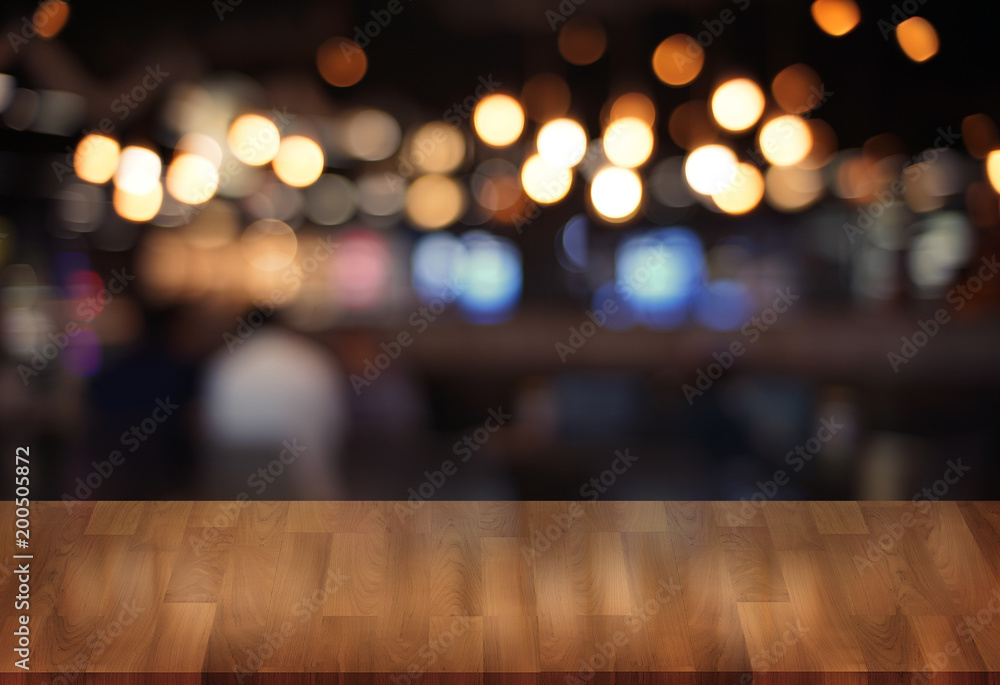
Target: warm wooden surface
(451,588)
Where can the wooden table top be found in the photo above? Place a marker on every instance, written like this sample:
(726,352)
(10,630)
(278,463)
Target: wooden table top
(548,590)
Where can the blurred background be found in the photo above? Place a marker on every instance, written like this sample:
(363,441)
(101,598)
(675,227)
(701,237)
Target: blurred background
(540,249)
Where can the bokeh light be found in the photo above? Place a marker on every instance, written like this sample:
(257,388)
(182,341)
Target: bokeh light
(836,17)
(678,60)
(661,270)
(633,105)
(917,38)
(50,18)
(723,305)
(269,244)
(96,158)
(979,134)
(562,143)
(616,193)
(434,201)
(493,278)
(341,62)
(792,188)
(690,126)
(202,145)
(545,96)
(361,269)
(438,266)
(371,135)
(138,171)
(785,140)
(192,179)
(628,142)
(744,193)
(582,40)
(299,161)
(331,200)
(737,104)
(797,89)
(437,148)
(993,169)
(710,169)
(544,183)
(824,144)
(381,195)
(498,120)
(495,184)
(571,244)
(253,139)
(138,207)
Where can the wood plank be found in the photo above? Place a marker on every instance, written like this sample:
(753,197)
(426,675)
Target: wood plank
(714,623)
(116,518)
(456,573)
(181,638)
(753,565)
(838,518)
(508,585)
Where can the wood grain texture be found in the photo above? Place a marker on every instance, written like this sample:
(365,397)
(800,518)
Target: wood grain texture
(455,593)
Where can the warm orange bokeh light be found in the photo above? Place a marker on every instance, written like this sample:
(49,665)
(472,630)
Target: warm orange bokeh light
(341,62)
(96,158)
(634,105)
(918,39)
(50,18)
(498,120)
(993,169)
(797,89)
(744,194)
(299,162)
(836,17)
(582,41)
(690,126)
(138,207)
(979,134)
(737,104)
(678,60)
